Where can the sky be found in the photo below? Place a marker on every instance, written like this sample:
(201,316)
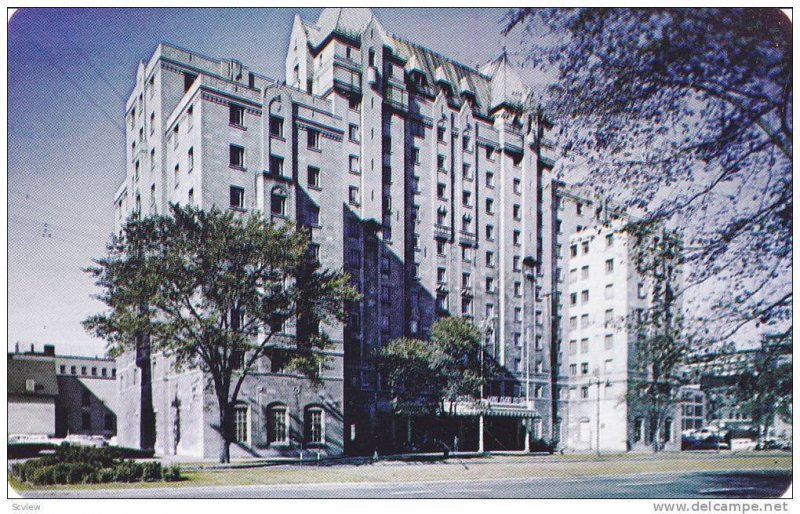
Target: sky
(69,73)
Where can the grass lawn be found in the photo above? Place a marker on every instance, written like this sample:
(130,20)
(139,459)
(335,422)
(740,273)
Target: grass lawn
(522,467)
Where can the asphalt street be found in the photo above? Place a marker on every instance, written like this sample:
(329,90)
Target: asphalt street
(709,485)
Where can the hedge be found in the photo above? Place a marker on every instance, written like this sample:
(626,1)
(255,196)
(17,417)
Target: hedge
(87,465)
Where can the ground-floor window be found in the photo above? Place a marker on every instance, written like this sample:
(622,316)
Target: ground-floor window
(667,430)
(315,425)
(240,424)
(638,428)
(276,424)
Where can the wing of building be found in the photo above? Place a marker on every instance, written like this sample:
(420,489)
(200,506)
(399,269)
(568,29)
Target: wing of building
(430,183)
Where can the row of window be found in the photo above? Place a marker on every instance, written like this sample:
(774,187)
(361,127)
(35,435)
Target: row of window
(584,246)
(573,297)
(277,425)
(573,344)
(573,320)
(87,371)
(608,367)
(573,273)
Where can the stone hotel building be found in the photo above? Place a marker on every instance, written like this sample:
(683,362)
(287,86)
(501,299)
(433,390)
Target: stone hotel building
(427,180)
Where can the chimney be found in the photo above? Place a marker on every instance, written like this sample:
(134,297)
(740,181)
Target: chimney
(16,347)
(32,350)
(50,350)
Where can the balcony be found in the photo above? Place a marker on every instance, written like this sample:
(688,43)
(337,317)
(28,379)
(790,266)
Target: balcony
(468,238)
(442,231)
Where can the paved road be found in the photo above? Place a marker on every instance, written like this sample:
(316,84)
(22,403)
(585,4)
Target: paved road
(727,484)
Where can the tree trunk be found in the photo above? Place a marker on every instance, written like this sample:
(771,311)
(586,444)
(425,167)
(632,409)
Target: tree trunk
(225,432)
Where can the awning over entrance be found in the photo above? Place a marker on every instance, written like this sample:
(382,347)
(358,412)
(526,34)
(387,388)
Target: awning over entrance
(489,408)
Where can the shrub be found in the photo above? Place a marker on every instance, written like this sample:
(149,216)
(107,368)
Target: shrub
(87,465)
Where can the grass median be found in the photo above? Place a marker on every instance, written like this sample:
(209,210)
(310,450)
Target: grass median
(523,467)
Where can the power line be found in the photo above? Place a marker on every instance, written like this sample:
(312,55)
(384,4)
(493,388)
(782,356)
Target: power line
(57,216)
(72,81)
(92,66)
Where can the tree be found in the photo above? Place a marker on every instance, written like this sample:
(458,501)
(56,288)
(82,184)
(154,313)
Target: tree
(448,367)
(213,290)
(660,346)
(683,116)
(766,389)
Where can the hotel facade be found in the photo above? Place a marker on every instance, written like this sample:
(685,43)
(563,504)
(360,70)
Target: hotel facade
(429,182)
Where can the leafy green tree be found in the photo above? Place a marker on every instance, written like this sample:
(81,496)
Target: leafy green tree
(684,117)
(427,373)
(766,389)
(213,290)
(661,342)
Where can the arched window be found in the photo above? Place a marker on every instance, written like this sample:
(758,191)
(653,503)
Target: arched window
(240,423)
(277,424)
(314,425)
(466,223)
(278,202)
(441,216)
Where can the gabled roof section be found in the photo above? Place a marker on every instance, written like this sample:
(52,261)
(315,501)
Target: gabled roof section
(507,88)
(42,372)
(438,67)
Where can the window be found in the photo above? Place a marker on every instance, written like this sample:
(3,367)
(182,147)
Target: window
(638,429)
(312,215)
(83,370)
(610,266)
(466,280)
(573,347)
(441,190)
(386,265)
(354,164)
(517,289)
(73,370)
(467,171)
(94,372)
(466,198)
(313,139)
(276,424)
(278,202)
(584,297)
(314,424)
(489,179)
(517,314)
(584,272)
(667,436)
(441,275)
(585,246)
(354,195)
(609,341)
(466,223)
(354,103)
(573,370)
(353,132)
(516,237)
(240,425)
(313,176)
(237,197)
(63,369)
(489,285)
(489,206)
(609,291)
(573,251)
(190,159)
(609,317)
(584,320)
(466,306)
(585,345)
(276,164)
(440,247)
(440,133)
(573,299)
(386,294)
(236,115)
(190,117)
(490,153)
(517,212)
(275,126)
(441,302)
(585,392)
(517,339)
(86,421)
(490,232)
(517,186)
(441,163)
(584,368)
(573,276)
(516,263)
(608,366)
(465,143)
(609,240)
(236,156)
(490,258)
(578,208)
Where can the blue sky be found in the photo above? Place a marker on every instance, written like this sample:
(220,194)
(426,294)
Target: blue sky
(69,72)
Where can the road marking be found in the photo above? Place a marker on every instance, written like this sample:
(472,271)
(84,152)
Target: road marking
(724,490)
(469,490)
(632,484)
(412,492)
